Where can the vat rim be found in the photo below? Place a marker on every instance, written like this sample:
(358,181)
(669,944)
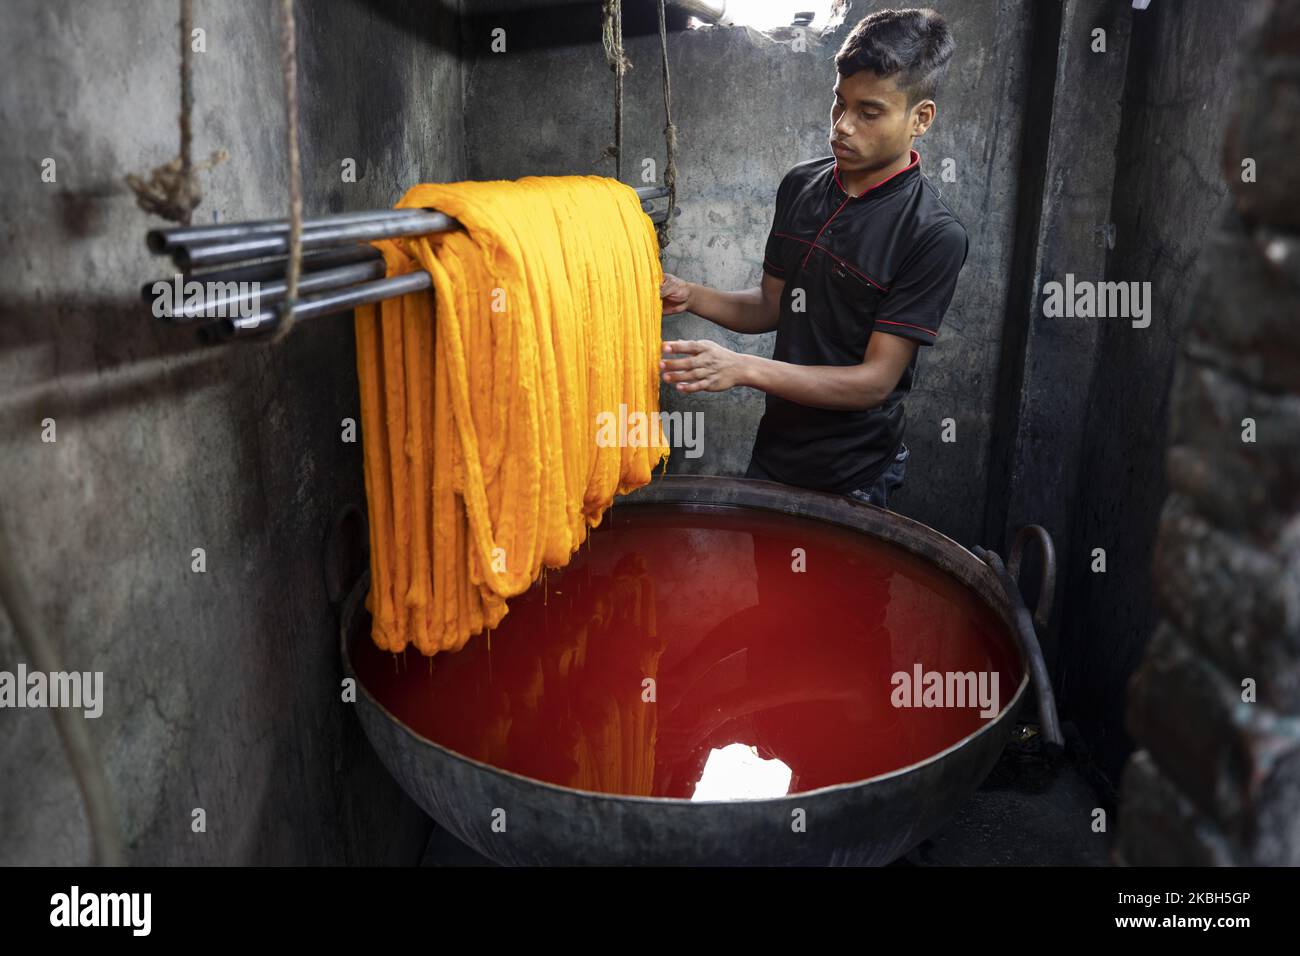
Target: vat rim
(686,483)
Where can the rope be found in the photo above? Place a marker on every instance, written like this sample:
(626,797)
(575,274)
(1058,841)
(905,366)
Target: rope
(670,136)
(187,100)
(105,833)
(172,189)
(612,38)
(289,65)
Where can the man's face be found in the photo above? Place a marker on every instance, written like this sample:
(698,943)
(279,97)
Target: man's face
(871,117)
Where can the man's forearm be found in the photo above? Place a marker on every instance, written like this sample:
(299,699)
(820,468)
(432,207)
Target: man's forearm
(742,311)
(854,387)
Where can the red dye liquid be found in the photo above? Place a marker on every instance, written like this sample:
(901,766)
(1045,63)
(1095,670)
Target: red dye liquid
(766,680)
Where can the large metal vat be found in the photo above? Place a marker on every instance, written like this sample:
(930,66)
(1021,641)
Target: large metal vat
(867,822)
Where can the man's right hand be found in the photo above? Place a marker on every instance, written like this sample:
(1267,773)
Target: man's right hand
(676,294)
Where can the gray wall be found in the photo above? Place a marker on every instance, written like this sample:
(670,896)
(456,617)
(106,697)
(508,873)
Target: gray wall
(222,689)
(1169,192)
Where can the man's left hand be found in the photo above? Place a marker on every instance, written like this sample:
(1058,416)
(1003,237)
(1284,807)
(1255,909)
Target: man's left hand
(705,366)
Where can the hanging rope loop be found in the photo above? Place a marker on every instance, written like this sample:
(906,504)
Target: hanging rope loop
(612,39)
(611,34)
(172,189)
(670,136)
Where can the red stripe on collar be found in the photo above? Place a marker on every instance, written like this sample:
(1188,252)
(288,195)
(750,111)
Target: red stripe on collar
(916,161)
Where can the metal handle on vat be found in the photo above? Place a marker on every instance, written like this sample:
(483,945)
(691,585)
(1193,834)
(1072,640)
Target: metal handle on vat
(1047,580)
(1026,623)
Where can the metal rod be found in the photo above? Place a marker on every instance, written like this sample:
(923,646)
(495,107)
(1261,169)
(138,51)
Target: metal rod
(340,295)
(274,268)
(164,240)
(239,296)
(317,306)
(345,300)
(188,257)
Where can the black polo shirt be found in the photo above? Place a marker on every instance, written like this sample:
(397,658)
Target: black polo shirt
(883,261)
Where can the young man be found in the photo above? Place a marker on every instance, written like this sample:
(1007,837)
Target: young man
(859,268)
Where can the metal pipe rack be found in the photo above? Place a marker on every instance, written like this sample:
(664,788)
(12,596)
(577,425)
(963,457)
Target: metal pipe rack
(245,263)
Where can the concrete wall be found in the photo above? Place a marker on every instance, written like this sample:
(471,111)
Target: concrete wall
(222,688)
(1213,704)
(1168,193)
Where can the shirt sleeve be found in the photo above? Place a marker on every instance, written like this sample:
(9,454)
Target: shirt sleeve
(772,263)
(921,292)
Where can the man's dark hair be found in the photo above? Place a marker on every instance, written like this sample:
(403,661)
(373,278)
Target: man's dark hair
(913,45)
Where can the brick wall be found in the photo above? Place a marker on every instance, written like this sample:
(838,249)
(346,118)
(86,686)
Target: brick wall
(1215,705)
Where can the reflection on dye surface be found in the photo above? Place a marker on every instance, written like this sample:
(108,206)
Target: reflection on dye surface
(765,680)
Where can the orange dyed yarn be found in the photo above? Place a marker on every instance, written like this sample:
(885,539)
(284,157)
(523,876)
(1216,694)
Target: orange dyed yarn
(480,399)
